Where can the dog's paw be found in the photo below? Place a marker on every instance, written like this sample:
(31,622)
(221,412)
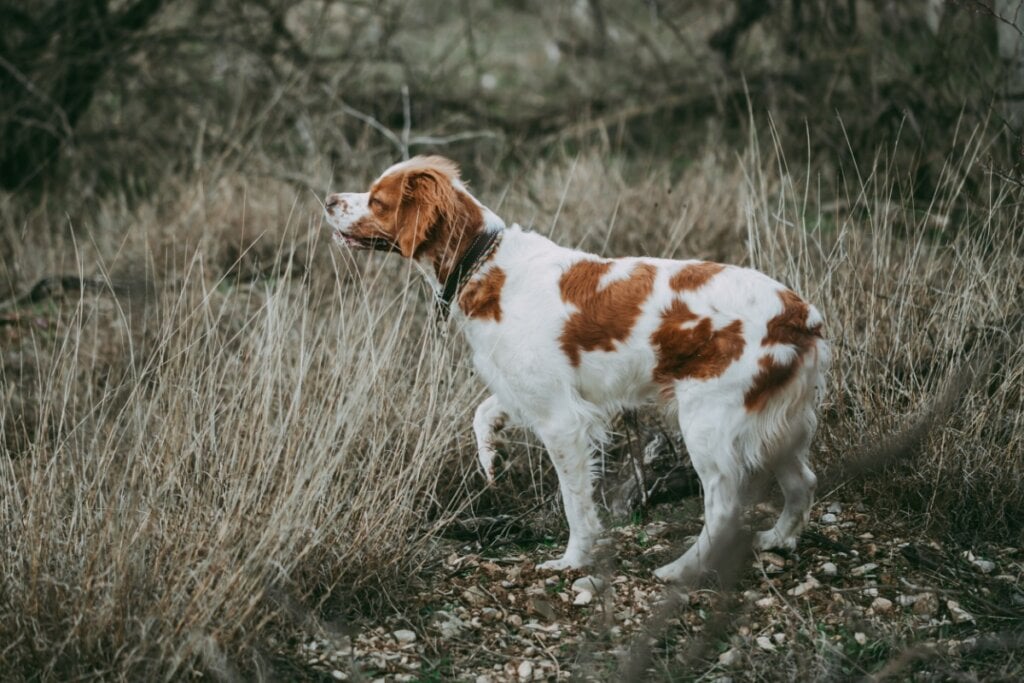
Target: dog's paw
(771,540)
(677,572)
(561,564)
(486,456)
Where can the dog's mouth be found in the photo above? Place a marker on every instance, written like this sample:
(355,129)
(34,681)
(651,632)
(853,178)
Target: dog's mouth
(367,243)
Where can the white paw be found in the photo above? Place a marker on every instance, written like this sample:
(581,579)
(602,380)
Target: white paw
(771,540)
(675,572)
(486,457)
(562,564)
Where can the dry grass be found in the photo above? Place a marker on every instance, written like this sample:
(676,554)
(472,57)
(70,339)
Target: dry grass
(272,417)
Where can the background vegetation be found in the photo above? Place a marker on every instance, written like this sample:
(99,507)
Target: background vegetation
(215,427)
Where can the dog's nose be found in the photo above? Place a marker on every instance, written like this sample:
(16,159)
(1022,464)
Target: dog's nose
(332,201)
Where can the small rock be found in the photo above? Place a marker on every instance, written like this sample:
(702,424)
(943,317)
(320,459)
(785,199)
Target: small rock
(829,569)
(765,643)
(860,638)
(829,518)
(835,508)
(871,592)
(583,598)
(514,620)
(766,602)
(809,584)
(339,675)
(543,608)
(730,657)
(984,566)
(863,569)
(906,600)
(484,678)
(490,614)
(448,625)
(779,638)
(957,613)
(772,559)
(475,595)
(926,604)
(525,671)
(881,605)
(590,584)
(404,636)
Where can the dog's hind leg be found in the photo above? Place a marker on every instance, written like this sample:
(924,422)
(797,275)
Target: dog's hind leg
(798,483)
(723,477)
(489,419)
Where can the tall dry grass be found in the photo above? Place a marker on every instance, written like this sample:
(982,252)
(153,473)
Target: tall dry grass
(272,422)
(179,474)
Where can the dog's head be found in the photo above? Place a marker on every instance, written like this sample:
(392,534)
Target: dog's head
(419,207)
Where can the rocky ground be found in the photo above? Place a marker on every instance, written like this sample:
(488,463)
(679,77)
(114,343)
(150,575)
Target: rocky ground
(857,599)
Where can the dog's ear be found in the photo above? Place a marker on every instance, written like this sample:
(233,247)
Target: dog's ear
(428,197)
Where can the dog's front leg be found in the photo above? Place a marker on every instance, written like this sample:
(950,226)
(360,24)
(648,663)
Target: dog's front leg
(490,419)
(570,453)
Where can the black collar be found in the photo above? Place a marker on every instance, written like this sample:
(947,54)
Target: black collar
(479,250)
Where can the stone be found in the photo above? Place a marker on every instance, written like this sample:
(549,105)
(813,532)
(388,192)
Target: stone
(984,566)
(881,605)
(339,675)
(766,602)
(404,636)
(543,608)
(957,613)
(829,518)
(730,657)
(525,671)
(583,598)
(765,643)
(829,569)
(591,584)
(475,595)
(860,638)
(835,508)
(809,584)
(863,569)
(450,626)
(926,604)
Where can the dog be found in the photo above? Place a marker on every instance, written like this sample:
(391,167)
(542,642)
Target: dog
(564,340)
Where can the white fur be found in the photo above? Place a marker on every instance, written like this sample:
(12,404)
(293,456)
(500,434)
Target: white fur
(534,385)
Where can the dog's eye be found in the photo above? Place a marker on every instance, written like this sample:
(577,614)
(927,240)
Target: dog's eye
(376,204)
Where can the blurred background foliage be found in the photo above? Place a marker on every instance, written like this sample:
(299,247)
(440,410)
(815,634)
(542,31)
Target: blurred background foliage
(109,94)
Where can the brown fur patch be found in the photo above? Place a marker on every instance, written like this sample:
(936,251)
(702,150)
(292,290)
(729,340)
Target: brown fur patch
(695,276)
(481,297)
(697,351)
(605,315)
(419,209)
(788,328)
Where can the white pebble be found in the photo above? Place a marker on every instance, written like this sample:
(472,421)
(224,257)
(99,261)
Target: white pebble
(583,598)
(404,635)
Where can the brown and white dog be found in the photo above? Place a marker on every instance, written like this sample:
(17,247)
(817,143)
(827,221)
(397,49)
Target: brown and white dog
(565,339)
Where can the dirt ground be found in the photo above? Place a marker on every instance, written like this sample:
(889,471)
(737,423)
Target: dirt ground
(858,599)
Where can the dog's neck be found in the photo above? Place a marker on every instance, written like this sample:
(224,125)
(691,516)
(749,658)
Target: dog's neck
(441,260)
